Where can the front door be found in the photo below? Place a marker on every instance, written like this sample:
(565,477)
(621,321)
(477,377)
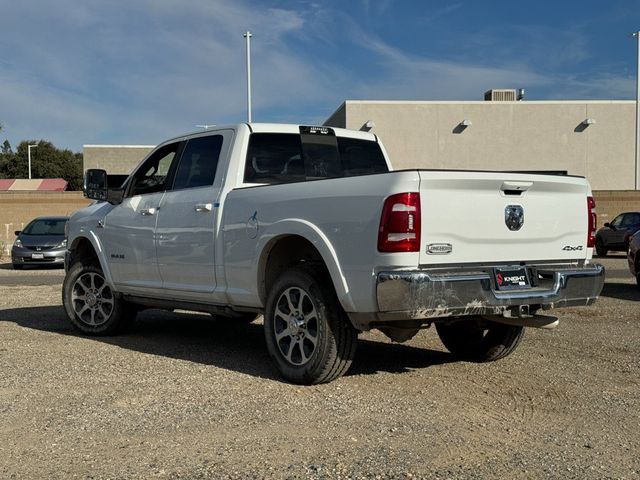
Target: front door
(128,233)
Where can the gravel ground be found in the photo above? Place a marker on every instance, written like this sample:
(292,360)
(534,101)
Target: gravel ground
(186,396)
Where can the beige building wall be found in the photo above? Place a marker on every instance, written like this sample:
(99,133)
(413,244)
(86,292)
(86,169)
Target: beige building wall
(19,208)
(526,135)
(115,159)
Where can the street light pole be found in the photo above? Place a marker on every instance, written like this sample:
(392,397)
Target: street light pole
(637,180)
(248,36)
(29,152)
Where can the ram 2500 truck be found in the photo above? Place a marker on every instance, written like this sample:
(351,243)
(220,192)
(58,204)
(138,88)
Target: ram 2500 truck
(310,227)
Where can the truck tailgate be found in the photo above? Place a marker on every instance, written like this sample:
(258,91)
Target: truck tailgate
(470,217)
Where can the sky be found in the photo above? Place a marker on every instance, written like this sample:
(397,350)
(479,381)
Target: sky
(78,72)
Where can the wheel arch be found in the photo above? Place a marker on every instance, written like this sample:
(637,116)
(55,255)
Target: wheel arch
(287,250)
(87,250)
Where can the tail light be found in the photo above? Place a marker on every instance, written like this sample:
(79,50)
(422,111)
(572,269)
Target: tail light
(400,224)
(593,220)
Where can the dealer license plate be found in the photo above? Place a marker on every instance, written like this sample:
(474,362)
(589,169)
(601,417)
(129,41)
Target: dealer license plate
(512,278)
(37,256)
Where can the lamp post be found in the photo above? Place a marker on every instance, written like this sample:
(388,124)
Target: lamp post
(29,152)
(637,180)
(248,36)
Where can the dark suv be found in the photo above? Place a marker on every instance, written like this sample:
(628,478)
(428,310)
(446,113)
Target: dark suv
(615,235)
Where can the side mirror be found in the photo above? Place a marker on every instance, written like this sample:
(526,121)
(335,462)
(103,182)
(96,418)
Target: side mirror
(18,232)
(96,187)
(607,224)
(95,184)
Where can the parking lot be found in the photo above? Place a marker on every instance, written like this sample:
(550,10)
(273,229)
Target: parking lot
(187,396)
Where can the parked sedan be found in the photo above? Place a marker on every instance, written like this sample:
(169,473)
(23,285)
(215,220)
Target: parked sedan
(633,257)
(42,242)
(615,236)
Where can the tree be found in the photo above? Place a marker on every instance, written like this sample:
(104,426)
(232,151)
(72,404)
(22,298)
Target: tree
(6,147)
(47,161)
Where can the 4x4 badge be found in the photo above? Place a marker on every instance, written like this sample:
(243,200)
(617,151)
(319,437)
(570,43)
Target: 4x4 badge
(514,217)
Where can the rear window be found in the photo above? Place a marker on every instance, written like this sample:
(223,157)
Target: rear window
(287,157)
(45,227)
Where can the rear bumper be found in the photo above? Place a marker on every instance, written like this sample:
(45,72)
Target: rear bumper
(423,294)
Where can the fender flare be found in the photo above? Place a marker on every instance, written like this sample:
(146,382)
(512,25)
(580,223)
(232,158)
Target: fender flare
(94,240)
(314,235)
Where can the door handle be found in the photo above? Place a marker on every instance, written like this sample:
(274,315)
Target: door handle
(148,211)
(203,207)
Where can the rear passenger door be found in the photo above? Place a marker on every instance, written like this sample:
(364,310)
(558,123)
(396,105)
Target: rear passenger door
(187,219)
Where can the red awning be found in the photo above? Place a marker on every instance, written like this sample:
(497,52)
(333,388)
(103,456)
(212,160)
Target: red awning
(39,184)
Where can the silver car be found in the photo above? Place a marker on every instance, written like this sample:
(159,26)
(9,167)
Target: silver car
(42,242)
(633,256)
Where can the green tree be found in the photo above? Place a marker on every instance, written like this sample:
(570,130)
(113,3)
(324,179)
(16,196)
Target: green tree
(47,161)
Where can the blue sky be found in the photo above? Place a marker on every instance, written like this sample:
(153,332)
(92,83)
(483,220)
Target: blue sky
(80,72)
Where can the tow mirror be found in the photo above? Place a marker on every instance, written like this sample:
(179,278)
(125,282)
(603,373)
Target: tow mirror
(95,184)
(96,187)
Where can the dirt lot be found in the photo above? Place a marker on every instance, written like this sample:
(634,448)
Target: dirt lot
(184,396)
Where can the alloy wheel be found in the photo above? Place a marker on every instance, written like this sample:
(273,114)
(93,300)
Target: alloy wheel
(92,299)
(296,326)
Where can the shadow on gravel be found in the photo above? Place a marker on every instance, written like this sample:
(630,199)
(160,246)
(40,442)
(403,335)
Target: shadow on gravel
(219,342)
(621,291)
(9,266)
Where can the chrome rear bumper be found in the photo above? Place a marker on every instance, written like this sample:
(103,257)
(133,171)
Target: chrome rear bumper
(424,294)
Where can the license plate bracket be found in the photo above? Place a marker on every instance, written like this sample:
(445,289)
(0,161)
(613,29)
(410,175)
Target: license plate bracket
(511,278)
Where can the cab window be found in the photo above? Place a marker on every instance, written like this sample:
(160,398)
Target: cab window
(281,158)
(154,174)
(198,162)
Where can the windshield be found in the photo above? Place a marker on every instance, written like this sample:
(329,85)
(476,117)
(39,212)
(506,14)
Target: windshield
(46,227)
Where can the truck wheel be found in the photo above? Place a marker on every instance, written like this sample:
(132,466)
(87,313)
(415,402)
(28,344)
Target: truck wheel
(91,304)
(478,339)
(601,251)
(308,335)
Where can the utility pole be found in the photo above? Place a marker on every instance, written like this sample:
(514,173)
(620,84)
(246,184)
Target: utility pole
(29,153)
(248,36)
(637,180)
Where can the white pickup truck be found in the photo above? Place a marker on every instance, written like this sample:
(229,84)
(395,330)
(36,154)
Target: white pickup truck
(311,228)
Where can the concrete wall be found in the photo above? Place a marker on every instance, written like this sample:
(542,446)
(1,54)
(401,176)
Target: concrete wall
(18,208)
(116,159)
(611,203)
(527,135)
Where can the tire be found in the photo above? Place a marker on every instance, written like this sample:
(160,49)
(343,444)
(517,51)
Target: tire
(308,335)
(601,251)
(17,266)
(91,305)
(478,339)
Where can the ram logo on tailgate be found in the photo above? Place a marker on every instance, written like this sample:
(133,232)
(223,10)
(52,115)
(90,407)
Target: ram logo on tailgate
(514,217)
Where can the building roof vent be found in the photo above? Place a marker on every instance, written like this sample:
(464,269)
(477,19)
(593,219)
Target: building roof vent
(500,95)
